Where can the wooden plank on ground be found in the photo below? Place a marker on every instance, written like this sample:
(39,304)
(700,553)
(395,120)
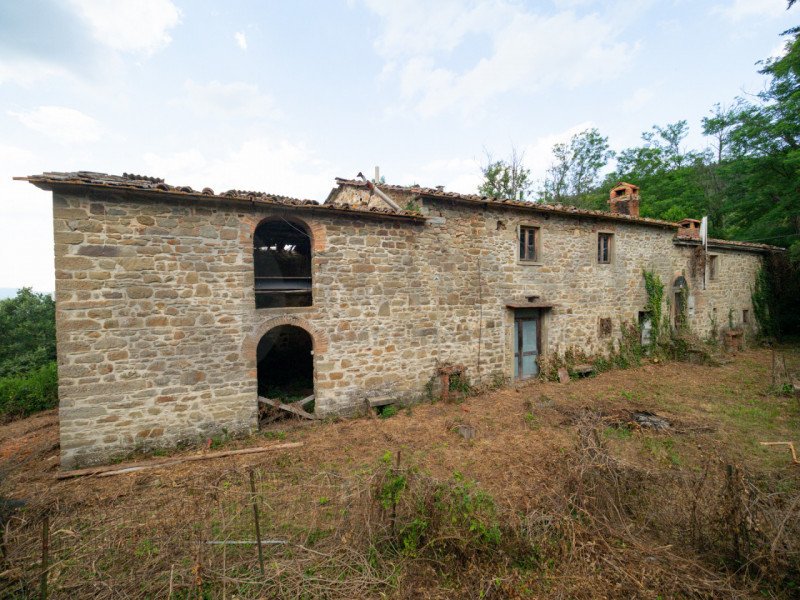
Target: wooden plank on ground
(108,470)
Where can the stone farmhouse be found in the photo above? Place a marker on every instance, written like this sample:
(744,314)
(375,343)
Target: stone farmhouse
(177,308)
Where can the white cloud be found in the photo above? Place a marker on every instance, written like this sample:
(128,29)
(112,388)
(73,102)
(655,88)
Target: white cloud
(228,100)
(26,212)
(539,154)
(260,164)
(241,39)
(779,51)
(65,125)
(525,51)
(640,98)
(26,72)
(136,26)
(739,10)
(455,174)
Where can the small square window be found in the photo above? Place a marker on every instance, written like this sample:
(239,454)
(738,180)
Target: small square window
(606,327)
(745,316)
(604,241)
(712,267)
(529,243)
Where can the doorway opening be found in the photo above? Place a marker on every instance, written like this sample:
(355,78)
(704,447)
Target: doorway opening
(527,342)
(286,365)
(680,291)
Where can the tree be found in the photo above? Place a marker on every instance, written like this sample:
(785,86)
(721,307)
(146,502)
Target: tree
(508,179)
(718,127)
(576,168)
(29,336)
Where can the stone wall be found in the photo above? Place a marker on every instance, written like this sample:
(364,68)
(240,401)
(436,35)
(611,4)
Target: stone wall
(157,326)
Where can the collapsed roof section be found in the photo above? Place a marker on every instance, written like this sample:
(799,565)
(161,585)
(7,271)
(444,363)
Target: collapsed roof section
(154,186)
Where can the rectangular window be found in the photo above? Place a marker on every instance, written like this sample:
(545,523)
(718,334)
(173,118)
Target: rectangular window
(712,267)
(604,247)
(529,243)
(745,316)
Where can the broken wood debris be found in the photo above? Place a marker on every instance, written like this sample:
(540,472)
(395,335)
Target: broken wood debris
(650,420)
(789,445)
(109,470)
(293,407)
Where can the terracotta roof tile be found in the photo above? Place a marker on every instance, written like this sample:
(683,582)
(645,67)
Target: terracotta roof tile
(532,206)
(155,185)
(547,208)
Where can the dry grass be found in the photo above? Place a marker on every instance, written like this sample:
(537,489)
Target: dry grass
(582,507)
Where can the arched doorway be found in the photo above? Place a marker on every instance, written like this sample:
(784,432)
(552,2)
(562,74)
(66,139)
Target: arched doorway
(282,264)
(285,362)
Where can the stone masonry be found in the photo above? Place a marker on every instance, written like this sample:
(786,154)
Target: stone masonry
(155,303)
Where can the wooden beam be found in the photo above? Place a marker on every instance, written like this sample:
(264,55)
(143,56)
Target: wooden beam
(295,410)
(302,401)
(109,470)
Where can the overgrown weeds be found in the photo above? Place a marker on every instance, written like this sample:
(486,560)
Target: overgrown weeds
(600,525)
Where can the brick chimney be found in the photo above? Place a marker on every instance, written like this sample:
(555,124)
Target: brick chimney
(689,229)
(624,199)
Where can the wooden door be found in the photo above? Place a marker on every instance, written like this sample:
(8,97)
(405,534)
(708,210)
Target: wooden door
(527,336)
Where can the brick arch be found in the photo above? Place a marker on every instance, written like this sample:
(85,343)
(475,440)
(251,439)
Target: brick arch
(319,340)
(315,229)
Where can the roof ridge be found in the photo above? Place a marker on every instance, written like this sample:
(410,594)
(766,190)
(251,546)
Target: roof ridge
(144,183)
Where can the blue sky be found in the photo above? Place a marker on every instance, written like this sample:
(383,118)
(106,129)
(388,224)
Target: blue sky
(284,96)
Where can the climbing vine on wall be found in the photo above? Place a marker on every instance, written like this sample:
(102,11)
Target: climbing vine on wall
(655,299)
(761,295)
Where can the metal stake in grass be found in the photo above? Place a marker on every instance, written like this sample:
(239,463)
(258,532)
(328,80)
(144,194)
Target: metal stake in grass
(394,496)
(45,557)
(255,519)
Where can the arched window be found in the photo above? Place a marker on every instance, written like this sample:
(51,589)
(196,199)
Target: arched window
(282,264)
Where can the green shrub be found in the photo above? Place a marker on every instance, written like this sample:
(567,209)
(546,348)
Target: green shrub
(388,411)
(29,332)
(22,395)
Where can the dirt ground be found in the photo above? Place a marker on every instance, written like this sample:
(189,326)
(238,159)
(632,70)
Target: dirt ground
(143,527)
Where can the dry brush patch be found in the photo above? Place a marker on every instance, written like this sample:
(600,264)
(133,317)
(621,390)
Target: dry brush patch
(537,505)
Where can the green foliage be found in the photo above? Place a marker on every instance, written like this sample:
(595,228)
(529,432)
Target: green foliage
(617,433)
(388,411)
(627,353)
(412,206)
(29,332)
(775,296)
(508,179)
(654,288)
(450,518)
(663,449)
(459,383)
(576,168)
(549,364)
(394,484)
(22,395)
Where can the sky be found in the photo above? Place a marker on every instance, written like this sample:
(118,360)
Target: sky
(284,96)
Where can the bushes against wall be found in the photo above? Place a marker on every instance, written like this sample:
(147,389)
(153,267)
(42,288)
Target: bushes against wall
(28,373)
